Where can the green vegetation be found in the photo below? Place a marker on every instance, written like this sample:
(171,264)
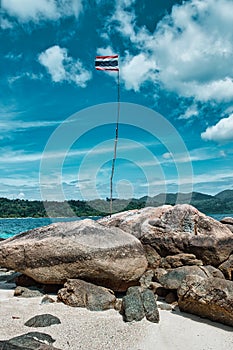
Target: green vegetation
(220,203)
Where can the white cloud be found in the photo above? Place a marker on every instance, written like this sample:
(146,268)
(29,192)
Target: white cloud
(190,112)
(221,132)
(192,48)
(15,125)
(136,70)
(62,67)
(36,10)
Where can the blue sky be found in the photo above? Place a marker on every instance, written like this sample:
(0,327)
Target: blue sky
(57,113)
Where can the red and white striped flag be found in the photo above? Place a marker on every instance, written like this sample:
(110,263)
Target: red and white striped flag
(107,63)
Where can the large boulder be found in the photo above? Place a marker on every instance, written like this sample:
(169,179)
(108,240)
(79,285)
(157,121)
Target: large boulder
(132,221)
(79,249)
(179,229)
(78,293)
(211,298)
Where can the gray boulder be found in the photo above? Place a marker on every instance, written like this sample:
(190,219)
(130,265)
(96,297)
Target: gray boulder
(207,297)
(44,320)
(139,303)
(175,230)
(79,249)
(29,341)
(173,278)
(150,306)
(78,293)
(132,306)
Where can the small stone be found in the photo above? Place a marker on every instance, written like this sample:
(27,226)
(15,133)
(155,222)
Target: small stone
(118,305)
(164,306)
(47,299)
(44,320)
(27,292)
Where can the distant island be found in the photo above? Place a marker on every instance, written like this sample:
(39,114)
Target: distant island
(11,208)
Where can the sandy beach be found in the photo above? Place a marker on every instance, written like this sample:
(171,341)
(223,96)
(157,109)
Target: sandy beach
(83,329)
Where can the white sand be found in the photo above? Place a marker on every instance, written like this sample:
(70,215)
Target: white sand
(83,329)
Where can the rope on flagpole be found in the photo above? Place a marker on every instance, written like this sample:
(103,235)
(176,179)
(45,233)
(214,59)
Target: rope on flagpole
(116,139)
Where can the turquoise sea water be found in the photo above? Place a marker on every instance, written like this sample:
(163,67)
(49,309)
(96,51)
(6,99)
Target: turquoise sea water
(11,227)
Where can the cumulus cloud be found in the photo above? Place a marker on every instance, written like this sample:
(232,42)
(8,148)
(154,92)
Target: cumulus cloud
(36,10)
(62,67)
(136,70)
(221,132)
(192,48)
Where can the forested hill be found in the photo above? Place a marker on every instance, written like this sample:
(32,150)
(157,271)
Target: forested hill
(220,203)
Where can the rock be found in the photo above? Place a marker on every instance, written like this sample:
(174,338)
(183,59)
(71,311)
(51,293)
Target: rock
(86,249)
(132,305)
(166,307)
(139,303)
(27,292)
(178,229)
(12,276)
(152,257)
(212,271)
(118,304)
(158,289)
(207,297)
(159,272)
(7,276)
(228,221)
(47,300)
(146,279)
(227,268)
(78,293)
(44,320)
(25,281)
(171,297)
(29,341)
(173,278)
(178,260)
(131,221)
(150,306)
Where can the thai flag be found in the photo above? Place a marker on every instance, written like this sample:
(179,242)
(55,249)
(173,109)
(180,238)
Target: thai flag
(107,63)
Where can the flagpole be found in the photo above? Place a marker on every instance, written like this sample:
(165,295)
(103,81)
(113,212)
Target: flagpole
(116,140)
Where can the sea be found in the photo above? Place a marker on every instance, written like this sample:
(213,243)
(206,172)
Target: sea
(10,227)
(13,226)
